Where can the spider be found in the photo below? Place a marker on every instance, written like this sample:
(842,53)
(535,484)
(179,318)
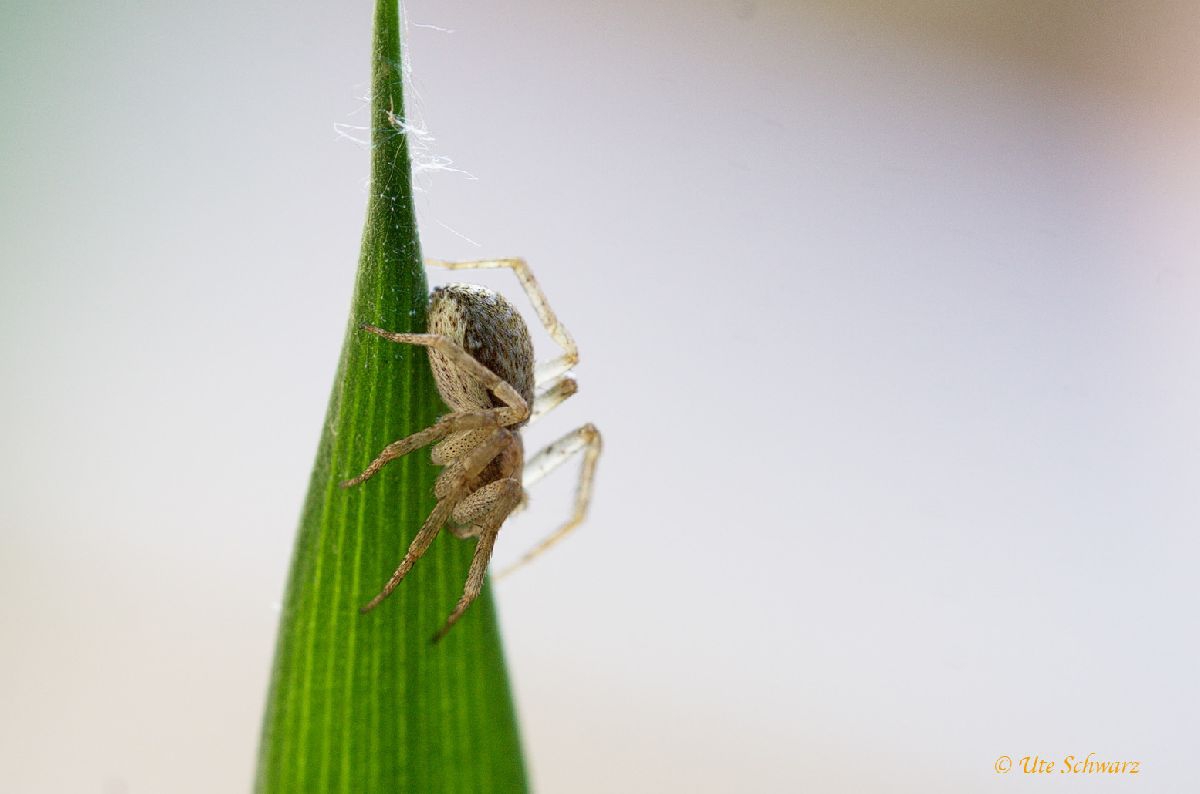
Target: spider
(482,361)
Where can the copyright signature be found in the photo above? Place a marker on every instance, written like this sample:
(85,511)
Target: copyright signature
(1069,765)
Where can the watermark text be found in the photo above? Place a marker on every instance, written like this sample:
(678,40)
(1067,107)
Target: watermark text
(1068,765)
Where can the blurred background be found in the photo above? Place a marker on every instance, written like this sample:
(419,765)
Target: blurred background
(888,313)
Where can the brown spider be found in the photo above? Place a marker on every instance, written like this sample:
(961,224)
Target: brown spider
(483,365)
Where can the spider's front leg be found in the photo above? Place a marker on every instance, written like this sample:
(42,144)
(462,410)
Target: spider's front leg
(514,411)
(558,392)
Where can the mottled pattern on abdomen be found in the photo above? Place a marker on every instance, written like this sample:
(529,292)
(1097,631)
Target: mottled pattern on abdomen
(490,329)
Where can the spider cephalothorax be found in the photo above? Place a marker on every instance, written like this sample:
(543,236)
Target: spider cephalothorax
(482,361)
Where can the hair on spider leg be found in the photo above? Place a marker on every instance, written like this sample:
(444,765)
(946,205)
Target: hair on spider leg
(481,356)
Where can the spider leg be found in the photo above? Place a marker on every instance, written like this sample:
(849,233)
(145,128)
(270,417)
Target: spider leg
(444,426)
(455,445)
(478,504)
(506,496)
(585,439)
(558,332)
(555,395)
(465,533)
(517,409)
(416,549)
(473,463)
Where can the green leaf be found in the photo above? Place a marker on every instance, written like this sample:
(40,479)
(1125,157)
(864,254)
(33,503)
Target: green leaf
(366,703)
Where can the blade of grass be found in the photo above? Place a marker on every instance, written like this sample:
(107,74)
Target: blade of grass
(365,703)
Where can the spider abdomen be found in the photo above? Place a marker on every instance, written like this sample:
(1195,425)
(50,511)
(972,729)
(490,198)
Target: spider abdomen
(491,330)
